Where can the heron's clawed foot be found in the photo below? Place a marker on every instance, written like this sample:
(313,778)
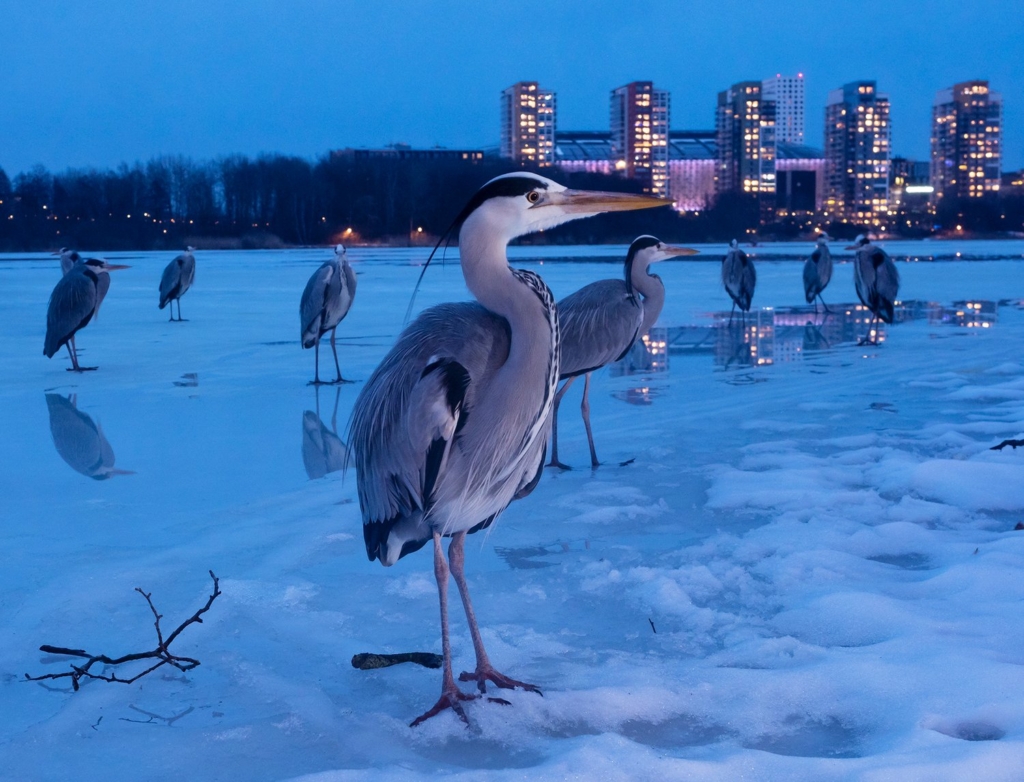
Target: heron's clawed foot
(560,465)
(319,382)
(341,381)
(82,369)
(484,674)
(450,699)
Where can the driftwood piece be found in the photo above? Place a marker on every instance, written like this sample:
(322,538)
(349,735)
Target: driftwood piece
(368,661)
(161,653)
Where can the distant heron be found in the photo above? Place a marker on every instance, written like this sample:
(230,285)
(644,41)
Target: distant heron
(325,302)
(453,424)
(177,279)
(75,301)
(818,272)
(68,258)
(79,440)
(600,322)
(739,278)
(323,452)
(877,282)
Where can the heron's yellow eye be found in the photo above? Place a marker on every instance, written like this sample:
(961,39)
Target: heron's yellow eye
(533,196)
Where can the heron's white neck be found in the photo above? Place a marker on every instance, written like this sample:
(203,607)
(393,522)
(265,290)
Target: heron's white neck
(652,289)
(483,243)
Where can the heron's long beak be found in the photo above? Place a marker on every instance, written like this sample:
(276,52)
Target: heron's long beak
(596,201)
(113,267)
(672,250)
(55,252)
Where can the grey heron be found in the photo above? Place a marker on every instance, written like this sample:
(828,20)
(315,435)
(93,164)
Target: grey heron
(739,278)
(877,281)
(326,300)
(79,440)
(452,425)
(818,272)
(75,301)
(600,322)
(177,279)
(323,451)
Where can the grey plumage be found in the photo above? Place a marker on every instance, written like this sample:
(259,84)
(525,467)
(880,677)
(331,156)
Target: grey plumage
(75,301)
(79,441)
(177,279)
(876,279)
(68,258)
(600,323)
(452,426)
(818,271)
(326,300)
(739,277)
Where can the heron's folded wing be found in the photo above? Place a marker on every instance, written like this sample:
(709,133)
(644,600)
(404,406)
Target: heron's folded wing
(597,324)
(312,305)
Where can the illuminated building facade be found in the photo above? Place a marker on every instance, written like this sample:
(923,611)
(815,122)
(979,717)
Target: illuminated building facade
(857,152)
(799,179)
(691,169)
(787,93)
(909,184)
(528,124)
(639,127)
(967,125)
(745,127)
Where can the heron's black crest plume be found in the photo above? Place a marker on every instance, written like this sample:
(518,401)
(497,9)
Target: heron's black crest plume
(503,186)
(640,243)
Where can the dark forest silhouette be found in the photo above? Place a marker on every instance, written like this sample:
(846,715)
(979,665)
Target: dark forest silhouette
(278,200)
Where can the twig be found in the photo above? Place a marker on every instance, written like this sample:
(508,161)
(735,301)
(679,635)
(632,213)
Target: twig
(655,629)
(1012,443)
(160,653)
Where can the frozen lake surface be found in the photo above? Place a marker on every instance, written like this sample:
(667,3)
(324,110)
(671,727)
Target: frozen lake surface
(807,570)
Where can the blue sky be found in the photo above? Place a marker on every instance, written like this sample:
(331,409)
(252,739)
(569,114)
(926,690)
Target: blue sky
(96,83)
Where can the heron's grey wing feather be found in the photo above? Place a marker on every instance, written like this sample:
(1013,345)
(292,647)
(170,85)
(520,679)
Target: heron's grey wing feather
(312,305)
(71,306)
(887,286)
(170,281)
(824,268)
(350,285)
(408,414)
(864,278)
(597,325)
(336,300)
(811,280)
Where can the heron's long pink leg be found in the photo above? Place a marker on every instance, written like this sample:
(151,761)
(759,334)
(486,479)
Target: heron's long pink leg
(554,427)
(585,409)
(451,695)
(484,670)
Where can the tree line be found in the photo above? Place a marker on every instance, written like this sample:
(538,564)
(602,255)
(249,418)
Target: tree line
(280,200)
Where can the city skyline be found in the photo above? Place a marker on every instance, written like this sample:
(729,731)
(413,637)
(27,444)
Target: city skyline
(106,82)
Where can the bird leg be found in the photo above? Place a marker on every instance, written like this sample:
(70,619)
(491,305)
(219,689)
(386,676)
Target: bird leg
(823,304)
(554,427)
(180,319)
(316,375)
(484,670)
(585,409)
(732,312)
(73,350)
(336,365)
(451,695)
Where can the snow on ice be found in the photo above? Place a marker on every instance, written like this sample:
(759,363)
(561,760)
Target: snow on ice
(809,570)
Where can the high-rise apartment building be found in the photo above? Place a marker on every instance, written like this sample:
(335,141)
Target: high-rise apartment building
(857,152)
(528,124)
(787,92)
(639,126)
(745,128)
(967,125)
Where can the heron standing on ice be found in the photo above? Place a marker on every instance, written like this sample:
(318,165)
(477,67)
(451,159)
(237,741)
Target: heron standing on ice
(75,301)
(600,322)
(739,278)
(453,424)
(818,272)
(877,281)
(177,278)
(325,302)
